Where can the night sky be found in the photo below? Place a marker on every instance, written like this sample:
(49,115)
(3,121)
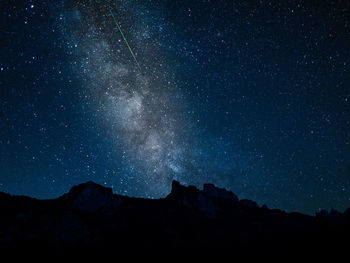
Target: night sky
(253,96)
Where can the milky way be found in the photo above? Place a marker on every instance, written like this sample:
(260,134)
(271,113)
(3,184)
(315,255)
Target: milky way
(140,109)
(143,110)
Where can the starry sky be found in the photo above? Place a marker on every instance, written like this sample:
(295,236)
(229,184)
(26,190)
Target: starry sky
(253,96)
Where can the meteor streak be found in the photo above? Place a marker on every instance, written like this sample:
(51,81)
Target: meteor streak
(125,40)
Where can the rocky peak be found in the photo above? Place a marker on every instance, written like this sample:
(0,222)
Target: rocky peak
(212,191)
(192,198)
(209,190)
(91,197)
(178,190)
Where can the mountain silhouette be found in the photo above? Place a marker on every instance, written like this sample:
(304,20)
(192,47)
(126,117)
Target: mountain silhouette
(90,219)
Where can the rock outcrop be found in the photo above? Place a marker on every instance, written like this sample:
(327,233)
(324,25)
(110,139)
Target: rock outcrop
(212,191)
(192,198)
(92,197)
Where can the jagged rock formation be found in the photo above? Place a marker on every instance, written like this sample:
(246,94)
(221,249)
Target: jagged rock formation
(91,197)
(218,193)
(91,219)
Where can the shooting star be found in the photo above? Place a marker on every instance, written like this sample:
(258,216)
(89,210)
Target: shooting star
(125,40)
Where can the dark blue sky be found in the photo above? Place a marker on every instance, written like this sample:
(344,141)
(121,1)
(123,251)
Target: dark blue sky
(253,96)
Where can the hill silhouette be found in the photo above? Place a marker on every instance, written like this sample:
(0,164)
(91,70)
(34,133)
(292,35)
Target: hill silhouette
(90,219)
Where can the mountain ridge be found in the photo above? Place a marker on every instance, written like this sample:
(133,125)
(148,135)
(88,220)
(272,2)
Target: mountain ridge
(90,218)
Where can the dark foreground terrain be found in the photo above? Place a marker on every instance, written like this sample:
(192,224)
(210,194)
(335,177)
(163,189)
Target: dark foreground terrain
(90,219)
